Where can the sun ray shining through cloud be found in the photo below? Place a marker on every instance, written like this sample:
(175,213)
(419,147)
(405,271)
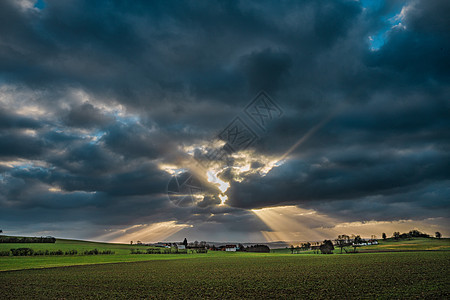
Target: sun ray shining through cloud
(146,232)
(338,109)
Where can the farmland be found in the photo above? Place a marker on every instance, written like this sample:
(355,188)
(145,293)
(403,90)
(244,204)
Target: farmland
(221,274)
(413,244)
(399,275)
(65,245)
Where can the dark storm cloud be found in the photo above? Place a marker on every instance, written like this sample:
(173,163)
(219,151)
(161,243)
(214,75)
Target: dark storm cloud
(121,88)
(350,176)
(20,145)
(10,120)
(86,115)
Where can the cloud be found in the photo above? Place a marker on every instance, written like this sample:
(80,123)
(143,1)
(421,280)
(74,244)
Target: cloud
(100,100)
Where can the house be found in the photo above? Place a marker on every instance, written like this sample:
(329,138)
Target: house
(181,246)
(230,248)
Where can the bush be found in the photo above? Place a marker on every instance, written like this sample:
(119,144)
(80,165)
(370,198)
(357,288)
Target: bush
(258,248)
(166,251)
(96,252)
(31,252)
(22,252)
(57,252)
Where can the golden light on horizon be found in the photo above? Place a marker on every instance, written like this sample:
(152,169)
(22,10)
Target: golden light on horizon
(294,224)
(287,223)
(144,232)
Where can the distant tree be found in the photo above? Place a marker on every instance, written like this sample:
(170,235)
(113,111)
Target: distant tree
(196,244)
(438,234)
(1,231)
(306,246)
(258,248)
(384,236)
(327,247)
(417,233)
(405,235)
(292,249)
(357,240)
(342,241)
(131,243)
(241,247)
(185,242)
(396,235)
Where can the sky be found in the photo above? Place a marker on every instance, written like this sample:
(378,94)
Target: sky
(246,121)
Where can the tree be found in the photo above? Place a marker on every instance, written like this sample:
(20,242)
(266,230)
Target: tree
(306,246)
(384,236)
(292,249)
(357,240)
(131,242)
(396,235)
(185,242)
(327,247)
(438,235)
(342,241)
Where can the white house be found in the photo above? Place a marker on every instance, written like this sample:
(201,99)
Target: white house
(230,248)
(181,246)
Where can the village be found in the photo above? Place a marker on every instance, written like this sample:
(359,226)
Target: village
(324,247)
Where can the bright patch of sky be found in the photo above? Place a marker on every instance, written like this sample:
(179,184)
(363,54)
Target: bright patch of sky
(40,4)
(390,21)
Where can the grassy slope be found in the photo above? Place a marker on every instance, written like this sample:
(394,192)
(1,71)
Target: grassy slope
(411,244)
(123,253)
(391,244)
(377,275)
(62,244)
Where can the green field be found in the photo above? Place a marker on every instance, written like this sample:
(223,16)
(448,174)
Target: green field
(122,252)
(374,275)
(65,245)
(422,274)
(412,244)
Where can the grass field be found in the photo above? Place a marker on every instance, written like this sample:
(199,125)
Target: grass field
(122,253)
(228,275)
(65,245)
(412,244)
(373,275)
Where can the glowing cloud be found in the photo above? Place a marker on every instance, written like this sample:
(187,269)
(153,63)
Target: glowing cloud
(145,233)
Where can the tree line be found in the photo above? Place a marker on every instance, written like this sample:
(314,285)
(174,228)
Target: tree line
(168,251)
(412,233)
(19,239)
(31,252)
